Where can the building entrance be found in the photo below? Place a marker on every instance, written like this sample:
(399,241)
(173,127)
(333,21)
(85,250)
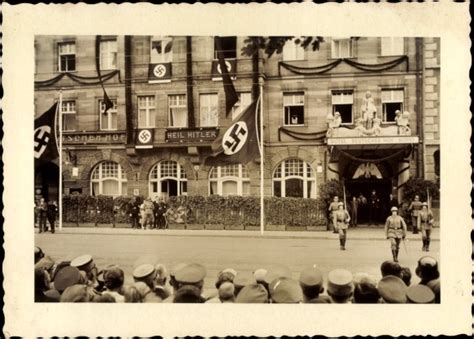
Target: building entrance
(374,209)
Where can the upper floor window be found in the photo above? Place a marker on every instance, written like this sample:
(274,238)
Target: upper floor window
(293,106)
(108,120)
(342,102)
(68,113)
(341,48)
(108,54)
(292,51)
(391,46)
(161,49)
(392,101)
(67,56)
(208,112)
(146,111)
(178,114)
(229,47)
(245,99)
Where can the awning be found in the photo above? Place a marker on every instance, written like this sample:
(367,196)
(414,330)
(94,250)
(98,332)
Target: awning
(373,143)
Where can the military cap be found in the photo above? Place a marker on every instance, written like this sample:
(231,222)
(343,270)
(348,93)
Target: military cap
(393,290)
(45,263)
(435,286)
(311,276)
(427,268)
(286,291)
(243,279)
(113,277)
(226,291)
(252,294)
(83,262)
(276,272)
(66,277)
(420,294)
(75,294)
(176,268)
(191,274)
(340,283)
(143,271)
(260,274)
(230,270)
(394,208)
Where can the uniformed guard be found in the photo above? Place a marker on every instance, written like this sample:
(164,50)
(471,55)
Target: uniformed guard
(341,220)
(134,209)
(415,208)
(424,223)
(395,230)
(333,206)
(148,218)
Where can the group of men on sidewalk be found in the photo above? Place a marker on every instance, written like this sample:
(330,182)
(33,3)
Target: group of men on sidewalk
(46,211)
(149,213)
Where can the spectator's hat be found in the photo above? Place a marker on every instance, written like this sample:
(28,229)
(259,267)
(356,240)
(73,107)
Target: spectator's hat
(143,271)
(38,254)
(252,294)
(427,268)
(435,286)
(226,291)
(340,283)
(230,270)
(420,294)
(276,272)
(286,291)
(393,290)
(394,208)
(75,294)
(83,262)
(176,268)
(45,263)
(66,277)
(260,274)
(191,274)
(311,276)
(243,279)
(113,277)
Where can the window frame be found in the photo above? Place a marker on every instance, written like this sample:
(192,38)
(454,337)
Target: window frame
(60,54)
(334,93)
(294,94)
(338,41)
(308,176)
(391,101)
(291,53)
(150,121)
(240,179)
(111,111)
(185,106)
(237,109)
(384,51)
(102,52)
(225,50)
(180,178)
(121,179)
(67,112)
(161,57)
(209,95)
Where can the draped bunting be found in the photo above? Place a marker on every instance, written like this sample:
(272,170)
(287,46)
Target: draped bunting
(313,136)
(315,70)
(405,152)
(83,80)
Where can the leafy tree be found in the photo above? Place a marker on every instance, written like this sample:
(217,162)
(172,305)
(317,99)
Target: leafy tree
(418,186)
(274,44)
(329,189)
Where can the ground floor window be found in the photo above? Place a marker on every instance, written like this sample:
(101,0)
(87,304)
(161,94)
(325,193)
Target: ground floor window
(229,180)
(168,179)
(108,178)
(294,178)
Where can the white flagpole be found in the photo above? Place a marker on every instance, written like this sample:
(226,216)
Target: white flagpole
(262,212)
(60,151)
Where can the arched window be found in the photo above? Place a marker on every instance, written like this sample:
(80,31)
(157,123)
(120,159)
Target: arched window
(168,179)
(229,180)
(294,178)
(108,178)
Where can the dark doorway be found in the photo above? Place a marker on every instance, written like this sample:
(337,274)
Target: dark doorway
(169,187)
(47,182)
(373,212)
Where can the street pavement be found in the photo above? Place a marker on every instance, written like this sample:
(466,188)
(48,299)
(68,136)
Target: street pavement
(244,251)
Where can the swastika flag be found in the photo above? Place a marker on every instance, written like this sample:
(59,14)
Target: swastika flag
(239,143)
(45,148)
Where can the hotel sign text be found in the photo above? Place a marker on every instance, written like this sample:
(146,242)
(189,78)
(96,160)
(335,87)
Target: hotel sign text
(191,135)
(373,140)
(94,138)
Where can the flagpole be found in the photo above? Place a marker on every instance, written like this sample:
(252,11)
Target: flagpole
(262,212)
(60,124)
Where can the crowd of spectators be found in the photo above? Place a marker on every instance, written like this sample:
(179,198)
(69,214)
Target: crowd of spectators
(80,280)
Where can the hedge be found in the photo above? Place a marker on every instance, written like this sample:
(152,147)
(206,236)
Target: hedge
(213,209)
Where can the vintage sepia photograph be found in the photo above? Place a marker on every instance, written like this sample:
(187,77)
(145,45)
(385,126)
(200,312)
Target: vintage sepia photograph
(148,153)
(164,160)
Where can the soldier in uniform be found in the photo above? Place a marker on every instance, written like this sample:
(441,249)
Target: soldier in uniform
(395,230)
(43,215)
(154,278)
(333,208)
(354,210)
(52,213)
(414,208)
(341,220)
(374,205)
(147,213)
(86,264)
(425,225)
(134,212)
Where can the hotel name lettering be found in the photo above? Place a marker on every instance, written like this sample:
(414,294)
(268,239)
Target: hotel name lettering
(191,135)
(94,138)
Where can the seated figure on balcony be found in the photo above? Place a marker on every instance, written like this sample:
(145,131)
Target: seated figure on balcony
(403,123)
(334,122)
(369,112)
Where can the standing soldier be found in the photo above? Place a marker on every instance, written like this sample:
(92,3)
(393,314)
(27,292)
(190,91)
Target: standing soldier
(147,213)
(354,210)
(415,208)
(52,213)
(374,204)
(43,215)
(395,230)
(341,221)
(333,208)
(134,212)
(362,203)
(425,225)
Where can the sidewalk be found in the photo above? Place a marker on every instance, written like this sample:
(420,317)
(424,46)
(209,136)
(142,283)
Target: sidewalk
(353,233)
